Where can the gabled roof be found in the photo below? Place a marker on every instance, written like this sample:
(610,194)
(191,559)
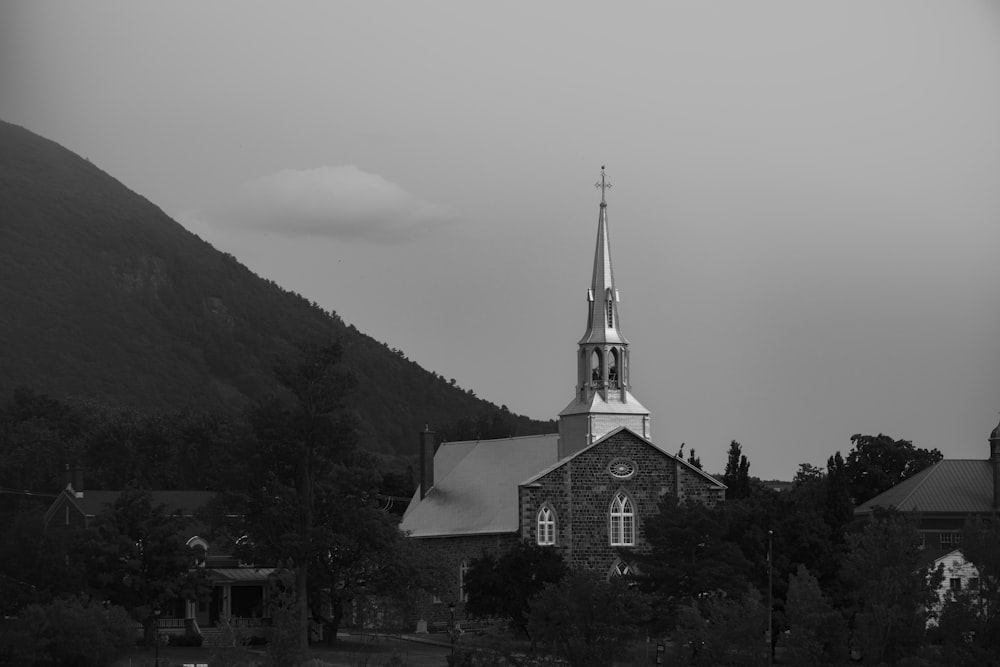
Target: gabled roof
(951,486)
(650,443)
(475,490)
(92,503)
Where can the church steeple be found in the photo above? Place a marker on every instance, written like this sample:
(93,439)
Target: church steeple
(602,297)
(603,400)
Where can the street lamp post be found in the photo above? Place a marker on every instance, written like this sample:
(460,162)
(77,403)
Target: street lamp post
(770,594)
(451,629)
(156,635)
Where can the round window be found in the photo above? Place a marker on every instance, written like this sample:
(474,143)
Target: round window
(621,468)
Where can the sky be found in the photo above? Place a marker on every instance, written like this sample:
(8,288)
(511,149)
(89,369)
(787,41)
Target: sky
(804,218)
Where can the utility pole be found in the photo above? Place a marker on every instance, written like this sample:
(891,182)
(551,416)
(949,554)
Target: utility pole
(770,596)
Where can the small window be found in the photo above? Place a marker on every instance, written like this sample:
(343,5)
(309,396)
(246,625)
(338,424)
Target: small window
(950,539)
(546,527)
(955,584)
(622,522)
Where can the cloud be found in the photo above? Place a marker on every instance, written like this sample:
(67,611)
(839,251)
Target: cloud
(341,201)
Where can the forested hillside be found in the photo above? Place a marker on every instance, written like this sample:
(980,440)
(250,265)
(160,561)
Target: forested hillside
(103,297)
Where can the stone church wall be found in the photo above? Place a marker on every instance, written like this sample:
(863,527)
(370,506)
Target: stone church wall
(449,553)
(580,493)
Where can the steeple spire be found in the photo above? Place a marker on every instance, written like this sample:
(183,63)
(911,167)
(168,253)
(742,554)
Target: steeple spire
(602,297)
(603,400)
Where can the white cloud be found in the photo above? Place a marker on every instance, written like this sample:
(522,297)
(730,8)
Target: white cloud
(335,201)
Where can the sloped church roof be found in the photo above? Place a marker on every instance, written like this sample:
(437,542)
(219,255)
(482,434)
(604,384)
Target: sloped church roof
(477,491)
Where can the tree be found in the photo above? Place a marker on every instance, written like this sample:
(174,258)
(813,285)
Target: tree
(817,633)
(690,556)
(890,588)
(36,563)
(877,463)
(737,474)
(587,618)
(38,436)
(981,546)
(74,631)
(309,498)
(137,557)
(720,631)
(504,586)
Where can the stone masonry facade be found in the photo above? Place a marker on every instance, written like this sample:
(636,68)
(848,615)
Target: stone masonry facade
(581,490)
(451,553)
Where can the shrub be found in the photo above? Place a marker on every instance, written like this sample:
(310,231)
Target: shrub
(79,632)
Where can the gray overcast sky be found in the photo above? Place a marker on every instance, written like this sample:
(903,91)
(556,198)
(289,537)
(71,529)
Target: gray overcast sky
(805,216)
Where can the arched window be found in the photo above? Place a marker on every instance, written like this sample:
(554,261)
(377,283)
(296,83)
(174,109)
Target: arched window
(621,569)
(622,521)
(595,366)
(200,547)
(463,571)
(613,367)
(546,526)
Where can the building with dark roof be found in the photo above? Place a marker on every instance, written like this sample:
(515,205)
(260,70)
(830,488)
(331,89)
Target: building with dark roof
(238,590)
(585,491)
(944,496)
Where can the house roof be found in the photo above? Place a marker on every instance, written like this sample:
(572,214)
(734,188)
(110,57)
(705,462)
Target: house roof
(475,490)
(92,503)
(951,486)
(177,502)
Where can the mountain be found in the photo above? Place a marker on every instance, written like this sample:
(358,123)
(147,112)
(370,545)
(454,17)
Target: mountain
(105,297)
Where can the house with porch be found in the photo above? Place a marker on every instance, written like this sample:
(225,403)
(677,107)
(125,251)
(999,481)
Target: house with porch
(239,591)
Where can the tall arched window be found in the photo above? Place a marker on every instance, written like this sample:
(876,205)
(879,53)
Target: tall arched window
(613,367)
(546,526)
(463,572)
(595,366)
(622,521)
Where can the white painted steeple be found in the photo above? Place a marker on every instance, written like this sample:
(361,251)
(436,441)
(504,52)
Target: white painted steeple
(603,400)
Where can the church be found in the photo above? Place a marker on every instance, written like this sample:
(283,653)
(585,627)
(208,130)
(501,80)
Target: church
(585,491)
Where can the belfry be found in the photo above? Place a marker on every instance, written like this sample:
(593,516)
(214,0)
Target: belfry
(603,400)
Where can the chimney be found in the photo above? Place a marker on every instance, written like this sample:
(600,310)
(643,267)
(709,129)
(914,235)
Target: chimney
(78,481)
(995,462)
(428,447)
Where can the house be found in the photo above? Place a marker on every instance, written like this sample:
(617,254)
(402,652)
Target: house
(238,591)
(586,490)
(943,496)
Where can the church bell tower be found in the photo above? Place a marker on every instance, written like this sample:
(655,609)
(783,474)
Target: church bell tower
(603,400)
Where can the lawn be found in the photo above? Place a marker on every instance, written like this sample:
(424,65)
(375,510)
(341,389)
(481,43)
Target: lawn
(350,651)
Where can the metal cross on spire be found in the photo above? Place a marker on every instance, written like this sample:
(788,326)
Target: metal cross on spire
(603,185)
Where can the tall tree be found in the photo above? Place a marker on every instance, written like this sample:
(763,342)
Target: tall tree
(981,546)
(137,557)
(690,556)
(891,588)
(588,618)
(309,498)
(817,633)
(737,474)
(877,463)
(504,586)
